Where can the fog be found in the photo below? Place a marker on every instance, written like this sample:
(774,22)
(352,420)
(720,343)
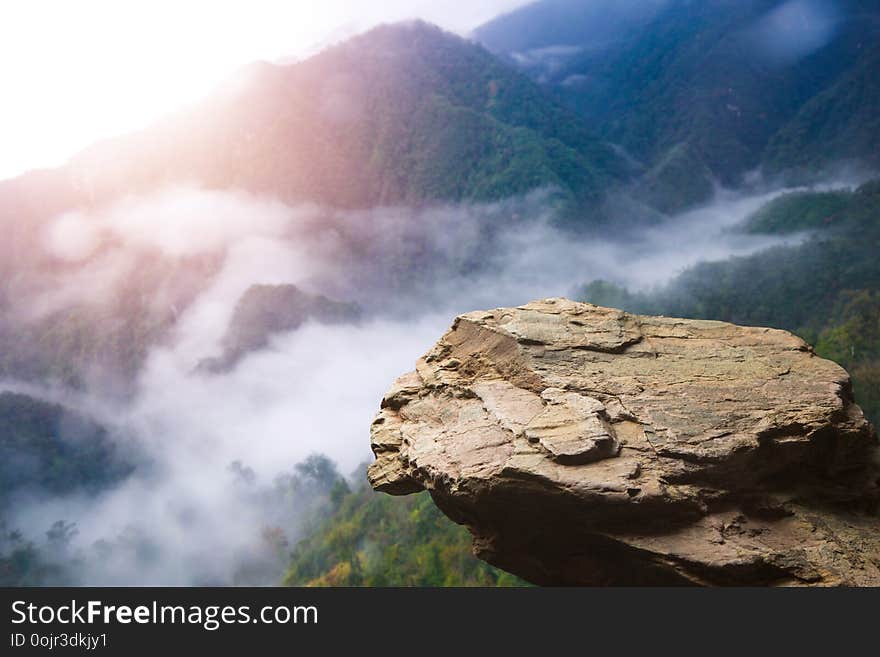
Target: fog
(793,30)
(208,502)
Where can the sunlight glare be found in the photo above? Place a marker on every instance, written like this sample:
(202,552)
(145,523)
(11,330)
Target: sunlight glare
(77,71)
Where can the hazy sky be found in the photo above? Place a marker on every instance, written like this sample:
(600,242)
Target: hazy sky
(76,70)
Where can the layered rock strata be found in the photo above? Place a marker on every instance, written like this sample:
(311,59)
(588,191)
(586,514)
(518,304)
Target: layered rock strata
(587,446)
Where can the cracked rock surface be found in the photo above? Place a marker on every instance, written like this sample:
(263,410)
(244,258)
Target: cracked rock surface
(587,446)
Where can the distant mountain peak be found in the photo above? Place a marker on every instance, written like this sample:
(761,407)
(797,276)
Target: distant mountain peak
(413,37)
(405,113)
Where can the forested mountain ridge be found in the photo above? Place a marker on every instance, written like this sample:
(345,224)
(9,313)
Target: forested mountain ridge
(405,113)
(739,84)
(839,124)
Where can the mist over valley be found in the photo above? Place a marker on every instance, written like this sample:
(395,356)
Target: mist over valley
(198,320)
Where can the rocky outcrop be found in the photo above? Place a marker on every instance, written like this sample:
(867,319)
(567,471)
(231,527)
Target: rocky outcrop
(587,446)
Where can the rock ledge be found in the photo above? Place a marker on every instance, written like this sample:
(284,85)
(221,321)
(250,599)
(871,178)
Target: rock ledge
(587,446)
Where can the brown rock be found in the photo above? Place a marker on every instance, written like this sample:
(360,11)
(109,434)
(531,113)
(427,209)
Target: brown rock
(587,446)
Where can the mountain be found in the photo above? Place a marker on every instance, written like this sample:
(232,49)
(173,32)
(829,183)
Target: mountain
(265,311)
(543,33)
(49,448)
(825,289)
(405,113)
(841,124)
(722,78)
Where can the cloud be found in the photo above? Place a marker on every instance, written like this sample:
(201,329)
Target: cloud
(793,30)
(178,222)
(182,518)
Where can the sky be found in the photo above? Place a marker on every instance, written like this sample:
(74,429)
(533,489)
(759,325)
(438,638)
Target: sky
(75,71)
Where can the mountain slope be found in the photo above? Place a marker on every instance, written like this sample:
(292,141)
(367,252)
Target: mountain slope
(373,540)
(52,449)
(719,76)
(541,32)
(403,114)
(840,124)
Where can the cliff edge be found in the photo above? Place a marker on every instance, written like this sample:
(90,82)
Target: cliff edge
(587,446)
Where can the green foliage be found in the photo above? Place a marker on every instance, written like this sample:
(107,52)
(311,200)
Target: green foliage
(611,295)
(854,332)
(698,74)
(866,386)
(456,124)
(840,124)
(46,447)
(799,211)
(852,338)
(25,563)
(403,114)
(679,180)
(376,540)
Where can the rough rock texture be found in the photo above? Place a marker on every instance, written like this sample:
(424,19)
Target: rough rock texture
(583,445)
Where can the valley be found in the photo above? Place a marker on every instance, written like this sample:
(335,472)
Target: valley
(198,320)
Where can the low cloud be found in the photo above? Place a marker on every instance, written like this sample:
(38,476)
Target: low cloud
(793,30)
(185,517)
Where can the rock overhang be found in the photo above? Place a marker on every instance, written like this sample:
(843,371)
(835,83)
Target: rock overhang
(562,426)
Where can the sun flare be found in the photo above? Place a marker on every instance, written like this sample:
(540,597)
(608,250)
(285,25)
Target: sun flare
(74,72)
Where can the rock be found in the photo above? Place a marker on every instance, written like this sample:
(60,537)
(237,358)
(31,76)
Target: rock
(268,310)
(587,446)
